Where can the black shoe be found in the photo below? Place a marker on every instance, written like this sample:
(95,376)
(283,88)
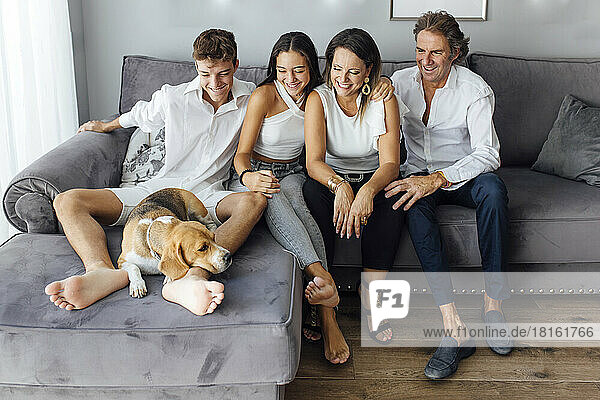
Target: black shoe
(495,320)
(444,361)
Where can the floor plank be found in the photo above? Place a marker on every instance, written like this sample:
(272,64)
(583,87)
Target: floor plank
(397,372)
(523,364)
(384,389)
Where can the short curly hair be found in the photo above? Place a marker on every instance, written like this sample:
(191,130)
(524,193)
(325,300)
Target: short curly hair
(215,44)
(444,23)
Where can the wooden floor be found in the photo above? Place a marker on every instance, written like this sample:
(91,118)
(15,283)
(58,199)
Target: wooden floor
(397,373)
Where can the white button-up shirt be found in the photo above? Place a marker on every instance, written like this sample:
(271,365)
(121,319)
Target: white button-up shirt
(199,142)
(459,139)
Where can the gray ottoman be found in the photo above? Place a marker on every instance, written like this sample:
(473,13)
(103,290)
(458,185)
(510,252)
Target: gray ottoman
(126,348)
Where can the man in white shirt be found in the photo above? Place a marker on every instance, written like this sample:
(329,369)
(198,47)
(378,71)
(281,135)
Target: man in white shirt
(452,149)
(202,121)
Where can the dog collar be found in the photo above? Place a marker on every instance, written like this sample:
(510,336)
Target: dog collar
(154,254)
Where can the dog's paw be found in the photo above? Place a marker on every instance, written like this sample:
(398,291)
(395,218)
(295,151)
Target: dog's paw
(167,280)
(137,288)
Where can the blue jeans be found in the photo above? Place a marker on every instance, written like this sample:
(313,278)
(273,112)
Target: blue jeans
(487,194)
(287,216)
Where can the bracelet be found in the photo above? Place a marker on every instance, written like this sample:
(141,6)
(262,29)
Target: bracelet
(447,183)
(334,182)
(242,175)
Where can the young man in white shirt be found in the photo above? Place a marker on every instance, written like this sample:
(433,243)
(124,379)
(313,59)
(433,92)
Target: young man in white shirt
(202,121)
(452,149)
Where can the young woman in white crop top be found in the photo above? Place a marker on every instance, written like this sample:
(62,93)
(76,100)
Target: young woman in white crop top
(267,161)
(352,153)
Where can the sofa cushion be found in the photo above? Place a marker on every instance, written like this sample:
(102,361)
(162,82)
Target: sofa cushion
(552,220)
(572,149)
(528,93)
(252,337)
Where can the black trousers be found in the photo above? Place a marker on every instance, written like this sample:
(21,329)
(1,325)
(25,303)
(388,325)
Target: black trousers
(379,238)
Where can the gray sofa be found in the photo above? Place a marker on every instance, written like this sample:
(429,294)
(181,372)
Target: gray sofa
(150,349)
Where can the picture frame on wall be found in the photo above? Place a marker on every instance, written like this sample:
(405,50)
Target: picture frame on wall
(466,10)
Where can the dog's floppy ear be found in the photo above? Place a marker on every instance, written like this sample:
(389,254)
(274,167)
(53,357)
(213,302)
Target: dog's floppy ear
(172,263)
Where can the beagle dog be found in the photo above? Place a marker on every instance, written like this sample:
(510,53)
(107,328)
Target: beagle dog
(169,232)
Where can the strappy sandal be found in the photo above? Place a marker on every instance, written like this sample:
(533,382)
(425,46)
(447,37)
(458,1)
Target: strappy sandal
(383,326)
(312,324)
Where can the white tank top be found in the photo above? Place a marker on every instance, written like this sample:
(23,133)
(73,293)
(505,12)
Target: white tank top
(281,136)
(351,145)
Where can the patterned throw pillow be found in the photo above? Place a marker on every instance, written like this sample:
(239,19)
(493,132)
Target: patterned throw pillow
(145,157)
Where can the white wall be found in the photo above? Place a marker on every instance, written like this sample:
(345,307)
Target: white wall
(167,29)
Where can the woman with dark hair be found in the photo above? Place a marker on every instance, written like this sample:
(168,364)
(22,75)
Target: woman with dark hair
(352,153)
(267,161)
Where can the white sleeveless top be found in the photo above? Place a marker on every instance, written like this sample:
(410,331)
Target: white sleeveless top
(352,146)
(281,136)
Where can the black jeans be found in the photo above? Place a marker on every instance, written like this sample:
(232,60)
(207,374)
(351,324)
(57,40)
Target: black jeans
(487,194)
(379,238)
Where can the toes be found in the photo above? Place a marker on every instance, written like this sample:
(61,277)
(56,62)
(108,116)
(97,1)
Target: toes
(217,300)
(219,296)
(311,335)
(65,306)
(319,282)
(61,302)
(215,287)
(54,288)
(211,307)
(54,297)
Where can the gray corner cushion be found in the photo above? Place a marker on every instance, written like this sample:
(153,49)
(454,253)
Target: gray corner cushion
(87,160)
(572,149)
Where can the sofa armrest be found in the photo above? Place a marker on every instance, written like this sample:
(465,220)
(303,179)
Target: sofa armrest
(87,160)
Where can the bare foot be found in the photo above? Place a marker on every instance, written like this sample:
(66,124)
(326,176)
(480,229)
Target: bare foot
(334,345)
(321,291)
(195,293)
(80,291)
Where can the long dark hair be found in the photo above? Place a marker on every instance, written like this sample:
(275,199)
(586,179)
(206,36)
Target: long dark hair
(362,44)
(300,43)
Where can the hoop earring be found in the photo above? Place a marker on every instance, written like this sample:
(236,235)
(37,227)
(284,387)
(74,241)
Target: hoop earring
(366,89)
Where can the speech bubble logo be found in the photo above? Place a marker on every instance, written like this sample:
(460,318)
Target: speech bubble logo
(389,300)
